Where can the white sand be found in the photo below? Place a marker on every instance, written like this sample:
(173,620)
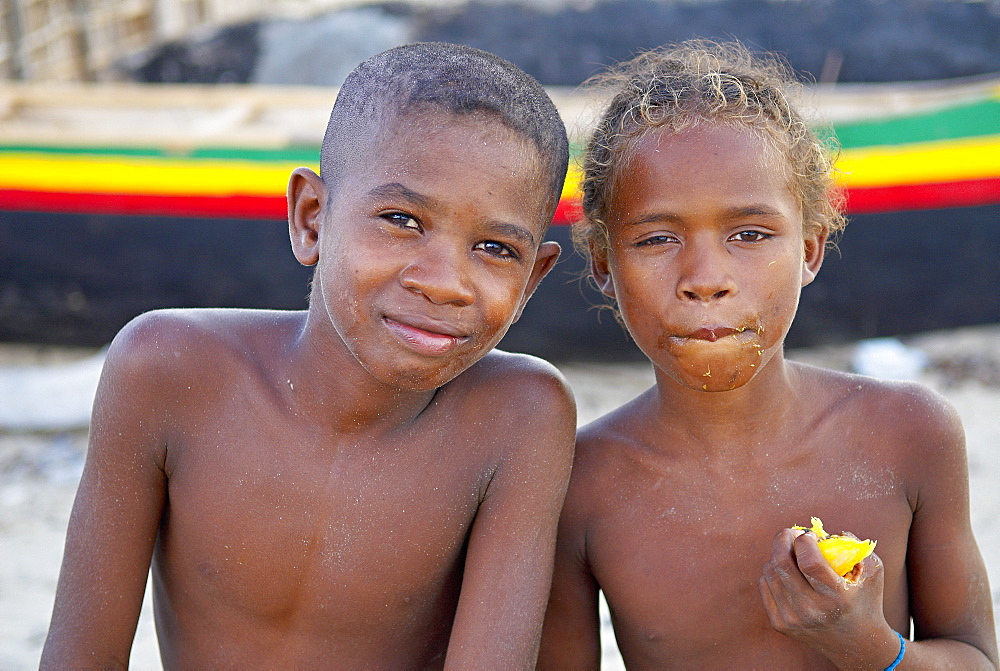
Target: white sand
(39,472)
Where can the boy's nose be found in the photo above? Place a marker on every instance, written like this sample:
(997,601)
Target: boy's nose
(440,276)
(705,276)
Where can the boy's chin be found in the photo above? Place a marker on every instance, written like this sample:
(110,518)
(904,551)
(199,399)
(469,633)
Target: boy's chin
(422,378)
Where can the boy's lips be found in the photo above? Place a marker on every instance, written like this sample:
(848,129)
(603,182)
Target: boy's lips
(425,336)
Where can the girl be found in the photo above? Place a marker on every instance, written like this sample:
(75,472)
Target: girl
(708,202)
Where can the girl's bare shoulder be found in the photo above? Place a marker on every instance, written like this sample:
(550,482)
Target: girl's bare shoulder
(909,410)
(615,441)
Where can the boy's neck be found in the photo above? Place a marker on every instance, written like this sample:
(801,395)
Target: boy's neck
(326,382)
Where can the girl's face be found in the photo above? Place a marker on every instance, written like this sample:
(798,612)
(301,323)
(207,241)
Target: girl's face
(707,255)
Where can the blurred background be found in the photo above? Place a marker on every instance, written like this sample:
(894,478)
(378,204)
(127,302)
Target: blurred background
(145,146)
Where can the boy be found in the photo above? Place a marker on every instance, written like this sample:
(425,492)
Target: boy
(363,484)
(708,205)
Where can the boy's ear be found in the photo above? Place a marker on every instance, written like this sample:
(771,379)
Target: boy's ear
(306,201)
(600,272)
(545,260)
(815,247)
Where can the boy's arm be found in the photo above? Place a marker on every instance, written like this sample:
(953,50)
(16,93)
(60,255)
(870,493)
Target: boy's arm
(947,582)
(115,517)
(508,566)
(571,637)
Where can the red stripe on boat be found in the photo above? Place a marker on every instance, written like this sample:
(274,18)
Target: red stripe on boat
(940,195)
(217,207)
(567,211)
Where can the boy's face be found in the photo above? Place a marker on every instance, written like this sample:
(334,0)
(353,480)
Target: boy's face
(429,246)
(707,256)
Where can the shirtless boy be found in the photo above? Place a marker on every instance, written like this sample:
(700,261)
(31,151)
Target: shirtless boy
(708,206)
(363,484)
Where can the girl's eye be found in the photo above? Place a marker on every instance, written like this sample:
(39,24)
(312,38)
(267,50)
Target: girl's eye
(402,220)
(655,240)
(496,248)
(751,236)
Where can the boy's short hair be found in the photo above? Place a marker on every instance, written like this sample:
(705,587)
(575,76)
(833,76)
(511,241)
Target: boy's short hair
(452,77)
(697,81)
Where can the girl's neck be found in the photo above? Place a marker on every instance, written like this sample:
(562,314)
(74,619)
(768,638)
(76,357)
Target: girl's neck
(757,413)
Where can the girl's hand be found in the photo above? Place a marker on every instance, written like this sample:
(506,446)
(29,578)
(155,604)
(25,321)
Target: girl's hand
(808,602)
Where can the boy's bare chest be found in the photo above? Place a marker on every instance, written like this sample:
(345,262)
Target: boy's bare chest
(271,524)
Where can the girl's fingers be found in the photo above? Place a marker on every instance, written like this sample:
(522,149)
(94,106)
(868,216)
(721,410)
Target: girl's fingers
(774,613)
(813,565)
(784,564)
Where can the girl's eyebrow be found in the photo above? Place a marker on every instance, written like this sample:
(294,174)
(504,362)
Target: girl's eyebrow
(755,210)
(742,211)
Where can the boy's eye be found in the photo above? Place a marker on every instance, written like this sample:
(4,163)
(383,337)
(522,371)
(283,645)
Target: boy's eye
(750,236)
(496,248)
(402,220)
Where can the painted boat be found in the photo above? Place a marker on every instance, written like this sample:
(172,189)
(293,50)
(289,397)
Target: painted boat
(119,199)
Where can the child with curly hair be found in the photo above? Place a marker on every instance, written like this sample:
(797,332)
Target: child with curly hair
(708,203)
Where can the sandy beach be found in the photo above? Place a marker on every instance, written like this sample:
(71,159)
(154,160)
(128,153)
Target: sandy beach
(41,458)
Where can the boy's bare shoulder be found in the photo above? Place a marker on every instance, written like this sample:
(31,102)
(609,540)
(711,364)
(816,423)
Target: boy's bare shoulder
(608,450)
(619,431)
(175,331)
(172,344)
(516,380)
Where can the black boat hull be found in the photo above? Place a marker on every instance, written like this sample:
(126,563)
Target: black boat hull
(76,279)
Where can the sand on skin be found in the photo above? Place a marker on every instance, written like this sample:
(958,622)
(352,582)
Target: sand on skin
(39,473)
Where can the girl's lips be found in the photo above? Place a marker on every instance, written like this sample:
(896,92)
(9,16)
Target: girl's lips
(428,343)
(712,334)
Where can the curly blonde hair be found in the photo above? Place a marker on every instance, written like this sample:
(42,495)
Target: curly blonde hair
(697,81)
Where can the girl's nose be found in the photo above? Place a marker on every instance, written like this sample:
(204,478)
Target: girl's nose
(705,275)
(440,275)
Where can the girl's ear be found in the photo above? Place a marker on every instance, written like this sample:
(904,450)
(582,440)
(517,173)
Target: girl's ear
(815,247)
(599,269)
(306,197)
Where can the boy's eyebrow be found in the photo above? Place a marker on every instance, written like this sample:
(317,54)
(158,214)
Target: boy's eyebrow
(397,190)
(654,217)
(519,232)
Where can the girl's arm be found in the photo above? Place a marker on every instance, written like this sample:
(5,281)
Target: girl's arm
(948,589)
(571,637)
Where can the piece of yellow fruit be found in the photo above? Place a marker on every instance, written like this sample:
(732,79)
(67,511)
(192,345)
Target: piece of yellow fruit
(843,553)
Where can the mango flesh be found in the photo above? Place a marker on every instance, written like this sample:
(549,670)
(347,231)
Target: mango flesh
(843,553)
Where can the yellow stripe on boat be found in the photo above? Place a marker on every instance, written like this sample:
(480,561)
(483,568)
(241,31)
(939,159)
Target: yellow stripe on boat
(944,161)
(143,175)
(571,187)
